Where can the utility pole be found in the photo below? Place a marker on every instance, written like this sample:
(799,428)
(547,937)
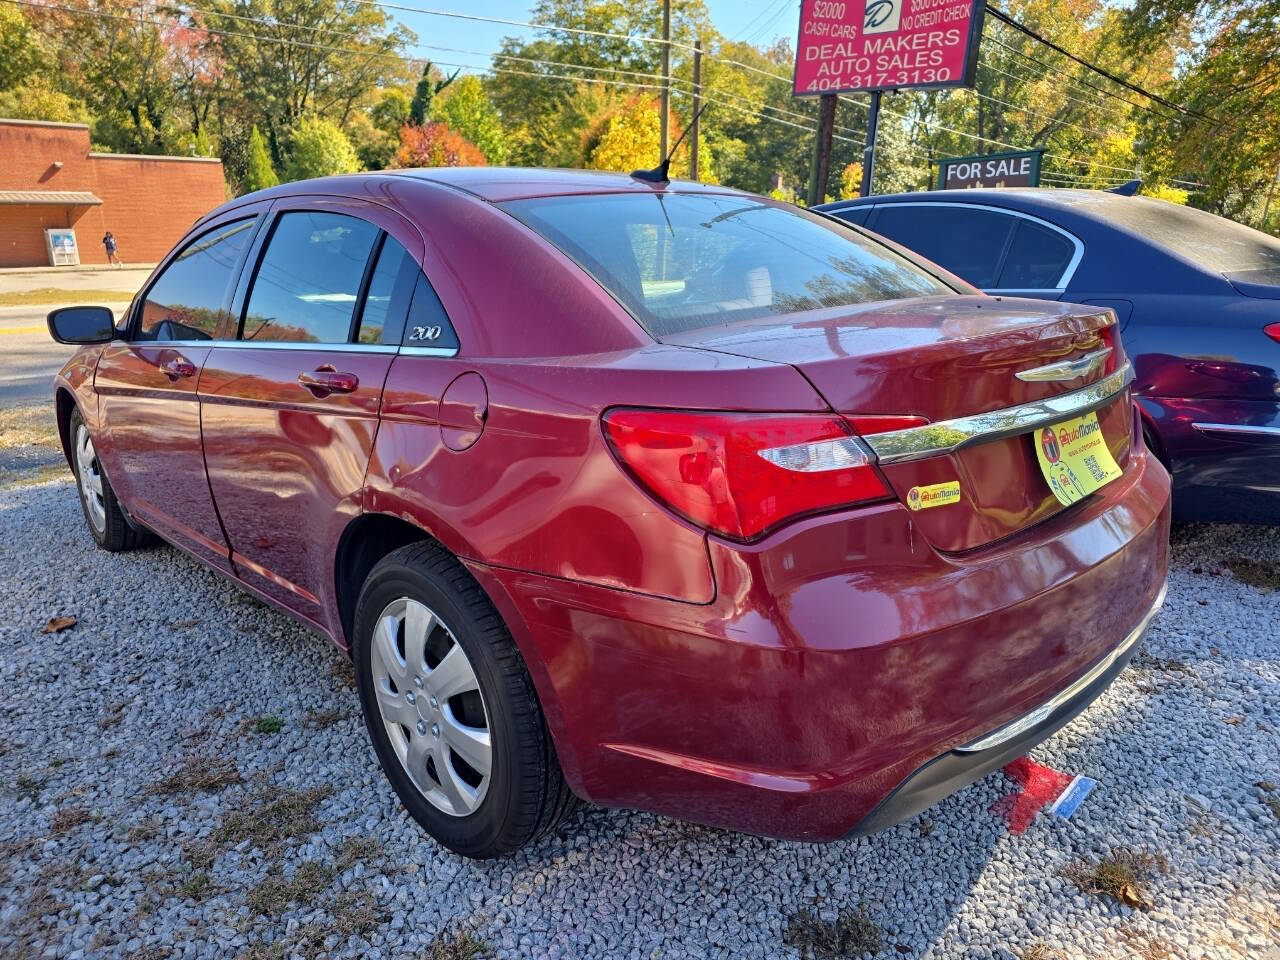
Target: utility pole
(1266,209)
(666,78)
(869,151)
(820,168)
(697,107)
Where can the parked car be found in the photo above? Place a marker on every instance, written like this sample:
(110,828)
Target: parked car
(663,496)
(1198,298)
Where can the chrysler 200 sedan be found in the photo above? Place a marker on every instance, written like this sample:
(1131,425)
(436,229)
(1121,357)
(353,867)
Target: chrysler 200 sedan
(661,496)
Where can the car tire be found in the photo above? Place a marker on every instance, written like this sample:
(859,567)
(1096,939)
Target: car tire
(417,710)
(107,523)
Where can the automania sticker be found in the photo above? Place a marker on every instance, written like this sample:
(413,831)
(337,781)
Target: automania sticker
(934,495)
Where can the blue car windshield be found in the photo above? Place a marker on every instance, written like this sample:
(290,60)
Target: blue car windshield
(685,261)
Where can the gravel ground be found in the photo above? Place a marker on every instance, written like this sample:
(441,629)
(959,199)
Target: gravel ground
(185,773)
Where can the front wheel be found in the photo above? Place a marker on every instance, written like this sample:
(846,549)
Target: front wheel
(102,513)
(451,709)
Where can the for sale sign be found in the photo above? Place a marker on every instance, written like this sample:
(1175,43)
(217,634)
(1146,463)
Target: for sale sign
(1021,169)
(860,45)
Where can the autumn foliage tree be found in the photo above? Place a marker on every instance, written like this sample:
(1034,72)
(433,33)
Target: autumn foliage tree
(436,145)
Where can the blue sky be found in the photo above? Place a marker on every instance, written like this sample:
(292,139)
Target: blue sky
(757,20)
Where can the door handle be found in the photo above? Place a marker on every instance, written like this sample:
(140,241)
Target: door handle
(179,368)
(326,380)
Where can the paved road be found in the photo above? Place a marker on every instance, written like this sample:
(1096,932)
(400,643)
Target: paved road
(28,357)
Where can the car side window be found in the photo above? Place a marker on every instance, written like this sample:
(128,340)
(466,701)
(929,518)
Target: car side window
(309,279)
(186,300)
(386,303)
(968,242)
(1037,258)
(428,325)
(856,215)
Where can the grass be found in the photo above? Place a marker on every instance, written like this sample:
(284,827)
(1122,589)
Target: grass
(276,892)
(1041,951)
(28,786)
(851,934)
(198,886)
(198,775)
(33,476)
(268,725)
(68,818)
(40,296)
(30,425)
(1122,875)
(1255,574)
(456,943)
(322,719)
(277,817)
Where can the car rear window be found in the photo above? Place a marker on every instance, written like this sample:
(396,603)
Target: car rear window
(1214,242)
(682,262)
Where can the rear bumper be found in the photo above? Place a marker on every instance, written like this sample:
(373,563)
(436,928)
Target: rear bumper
(841,663)
(957,768)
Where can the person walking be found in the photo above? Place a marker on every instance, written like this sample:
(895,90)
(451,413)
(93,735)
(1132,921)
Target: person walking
(109,241)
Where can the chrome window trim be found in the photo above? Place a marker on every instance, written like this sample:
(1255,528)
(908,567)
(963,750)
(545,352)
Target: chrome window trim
(428,351)
(274,345)
(1063,281)
(1242,428)
(1029,720)
(948,436)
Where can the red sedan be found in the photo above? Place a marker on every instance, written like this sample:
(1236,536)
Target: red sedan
(663,496)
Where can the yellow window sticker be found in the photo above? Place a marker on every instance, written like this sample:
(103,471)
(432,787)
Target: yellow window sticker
(934,495)
(1074,458)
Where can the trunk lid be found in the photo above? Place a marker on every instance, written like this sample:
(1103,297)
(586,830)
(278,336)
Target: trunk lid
(941,358)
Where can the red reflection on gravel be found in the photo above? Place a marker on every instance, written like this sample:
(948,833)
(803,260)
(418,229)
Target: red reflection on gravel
(1039,785)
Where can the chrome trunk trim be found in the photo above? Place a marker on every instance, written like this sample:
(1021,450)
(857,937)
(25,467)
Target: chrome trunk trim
(948,436)
(1238,428)
(1046,709)
(1065,370)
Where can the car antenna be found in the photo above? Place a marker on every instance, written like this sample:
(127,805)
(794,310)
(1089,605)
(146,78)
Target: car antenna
(659,174)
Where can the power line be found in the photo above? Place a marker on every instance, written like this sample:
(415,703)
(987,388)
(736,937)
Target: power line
(1005,18)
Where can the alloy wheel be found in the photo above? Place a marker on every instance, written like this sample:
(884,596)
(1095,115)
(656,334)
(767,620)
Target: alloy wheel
(431,706)
(90,479)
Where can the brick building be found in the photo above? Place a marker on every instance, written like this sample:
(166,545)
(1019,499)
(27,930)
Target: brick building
(49,178)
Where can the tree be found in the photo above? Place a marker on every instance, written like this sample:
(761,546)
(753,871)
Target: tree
(435,145)
(466,108)
(276,76)
(259,174)
(319,148)
(20,48)
(429,84)
(629,138)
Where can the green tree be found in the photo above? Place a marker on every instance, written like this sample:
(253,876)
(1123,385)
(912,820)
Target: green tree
(391,112)
(430,84)
(21,52)
(319,148)
(629,138)
(259,174)
(466,108)
(274,77)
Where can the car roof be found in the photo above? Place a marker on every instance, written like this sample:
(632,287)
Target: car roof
(495,184)
(1090,204)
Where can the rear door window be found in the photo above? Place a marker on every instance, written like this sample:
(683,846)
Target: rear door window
(390,290)
(309,279)
(1037,259)
(187,299)
(969,242)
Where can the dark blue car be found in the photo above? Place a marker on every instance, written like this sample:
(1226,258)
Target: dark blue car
(1197,297)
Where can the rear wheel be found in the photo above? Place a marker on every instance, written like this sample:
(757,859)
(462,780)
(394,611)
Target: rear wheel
(451,709)
(106,521)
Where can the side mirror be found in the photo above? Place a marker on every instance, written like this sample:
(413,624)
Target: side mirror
(82,325)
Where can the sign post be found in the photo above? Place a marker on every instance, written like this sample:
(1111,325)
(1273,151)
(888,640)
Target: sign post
(1016,169)
(874,46)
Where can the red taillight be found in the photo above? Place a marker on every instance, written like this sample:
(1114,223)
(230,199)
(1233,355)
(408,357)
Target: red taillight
(1272,330)
(1108,336)
(740,474)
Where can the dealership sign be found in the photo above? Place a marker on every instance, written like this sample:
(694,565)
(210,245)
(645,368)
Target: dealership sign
(862,45)
(990,170)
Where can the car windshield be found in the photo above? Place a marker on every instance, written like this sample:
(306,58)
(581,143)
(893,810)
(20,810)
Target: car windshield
(1214,242)
(680,261)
